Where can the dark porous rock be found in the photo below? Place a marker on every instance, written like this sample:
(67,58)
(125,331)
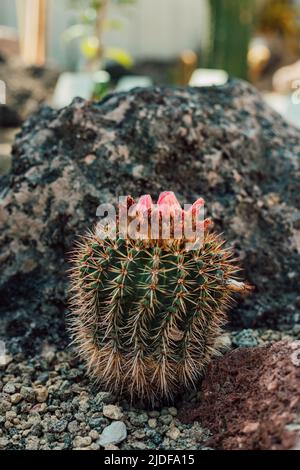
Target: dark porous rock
(222,143)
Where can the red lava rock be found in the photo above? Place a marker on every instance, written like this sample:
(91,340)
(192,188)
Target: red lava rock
(248,398)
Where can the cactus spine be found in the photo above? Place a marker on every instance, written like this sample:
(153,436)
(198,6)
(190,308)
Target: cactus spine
(147,315)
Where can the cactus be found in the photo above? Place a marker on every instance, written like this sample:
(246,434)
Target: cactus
(147,314)
(232,24)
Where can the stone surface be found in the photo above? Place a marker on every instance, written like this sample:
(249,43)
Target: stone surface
(115,433)
(221,143)
(112,412)
(3,442)
(9,388)
(81,442)
(173,433)
(152,423)
(16,398)
(41,394)
(245,339)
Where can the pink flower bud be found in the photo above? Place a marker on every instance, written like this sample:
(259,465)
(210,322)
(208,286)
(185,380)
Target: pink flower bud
(168,203)
(144,203)
(197,205)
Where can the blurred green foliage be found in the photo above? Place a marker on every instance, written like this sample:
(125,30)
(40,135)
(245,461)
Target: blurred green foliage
(91,24)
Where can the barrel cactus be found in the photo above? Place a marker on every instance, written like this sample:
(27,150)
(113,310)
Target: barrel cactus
(147,313)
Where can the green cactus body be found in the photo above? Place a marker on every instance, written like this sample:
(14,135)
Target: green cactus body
(232,24)
(148,319)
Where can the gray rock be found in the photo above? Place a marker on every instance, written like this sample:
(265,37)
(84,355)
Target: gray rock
(3,442)
(173,433)
(81,442)
(190,141)
(16,398)
(32,443)
(113,412)
(104,398)
(153,414)
(73,427)
(80,417)
(152,423)
(98,422)
(173,411)
(41,394)
(94,446)
(138,418)
(84,405)
(94,435)
(139,434)
(166,419)
(58,426)
(115,433)
(5,405)
(245,339)
(9,388)
(34,419)
(111,447)
(137,445)
(28,394)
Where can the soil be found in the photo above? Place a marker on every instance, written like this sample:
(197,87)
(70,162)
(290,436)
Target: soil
(250,399)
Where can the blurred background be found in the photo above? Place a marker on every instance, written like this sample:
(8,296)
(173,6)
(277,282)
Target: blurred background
(54,50)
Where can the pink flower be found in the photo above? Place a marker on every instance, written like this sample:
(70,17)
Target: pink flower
(196,207)
(144,203)
(168,214)
(168,204)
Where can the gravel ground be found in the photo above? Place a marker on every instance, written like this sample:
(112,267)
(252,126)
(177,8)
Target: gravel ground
(47,402)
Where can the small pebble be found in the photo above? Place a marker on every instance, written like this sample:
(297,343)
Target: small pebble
(172,411)
(115,433)
(9,388)
(111,447)
(3,442)
(81,442)
(28,394)
(94,435)
(152,423)
(166,419)
(16,398)
(41,394)
(113,412)
(173,433)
